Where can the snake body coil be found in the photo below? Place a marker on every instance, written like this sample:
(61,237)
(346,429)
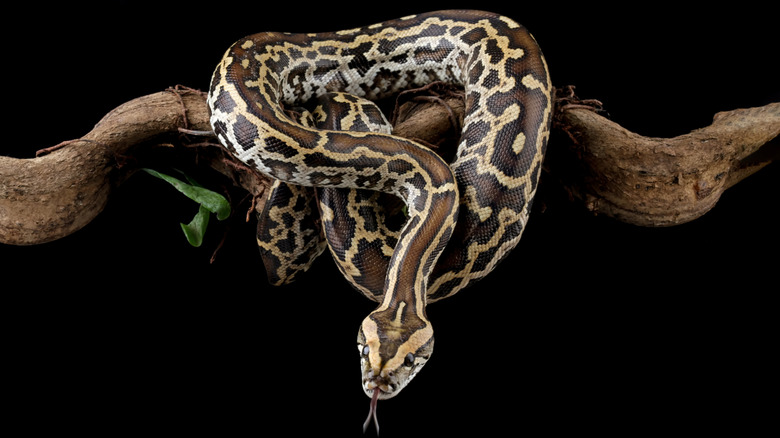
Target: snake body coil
(479,203)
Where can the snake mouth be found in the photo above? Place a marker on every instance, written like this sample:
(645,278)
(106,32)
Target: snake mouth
(382,382)
(379,388)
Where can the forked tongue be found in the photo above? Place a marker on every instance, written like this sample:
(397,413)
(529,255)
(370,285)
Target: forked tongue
(372,412)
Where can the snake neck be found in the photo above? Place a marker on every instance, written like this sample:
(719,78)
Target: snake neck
(396,339)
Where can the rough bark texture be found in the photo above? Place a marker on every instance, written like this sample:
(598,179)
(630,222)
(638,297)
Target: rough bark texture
(661,181)
(66,186)
(615,172)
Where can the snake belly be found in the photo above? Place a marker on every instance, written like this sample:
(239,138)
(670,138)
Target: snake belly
(479,203)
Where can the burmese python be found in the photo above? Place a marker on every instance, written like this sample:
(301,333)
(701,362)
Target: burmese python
(479,203)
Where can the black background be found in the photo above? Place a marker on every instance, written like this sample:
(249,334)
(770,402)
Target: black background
(589,326)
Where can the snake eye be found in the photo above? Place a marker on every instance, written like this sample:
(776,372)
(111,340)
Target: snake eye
(364,350)
(409,360)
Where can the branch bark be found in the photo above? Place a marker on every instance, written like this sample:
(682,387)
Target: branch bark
(636,179)
(657,182)
(62,189)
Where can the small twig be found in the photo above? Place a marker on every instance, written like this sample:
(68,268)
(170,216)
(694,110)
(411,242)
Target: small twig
(196,132)
(251,208)
(178,90)
(50,149)
(203,144)
(566,99)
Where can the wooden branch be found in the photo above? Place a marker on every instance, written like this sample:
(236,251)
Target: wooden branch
(657,182)
(66,186)
(640,180)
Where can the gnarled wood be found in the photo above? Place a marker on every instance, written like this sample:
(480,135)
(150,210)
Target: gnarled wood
(651,181)
(63,189)
(636,179)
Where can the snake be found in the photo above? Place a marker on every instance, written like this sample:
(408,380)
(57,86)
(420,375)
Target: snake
(461,217)
(298,223)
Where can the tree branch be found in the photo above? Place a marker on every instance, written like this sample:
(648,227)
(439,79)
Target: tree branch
(66,186)
(636,179)
(655,182)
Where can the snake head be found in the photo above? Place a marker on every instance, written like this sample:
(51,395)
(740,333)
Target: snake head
(392,351)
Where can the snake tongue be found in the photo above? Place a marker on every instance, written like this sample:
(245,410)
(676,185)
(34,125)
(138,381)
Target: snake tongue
(372,411)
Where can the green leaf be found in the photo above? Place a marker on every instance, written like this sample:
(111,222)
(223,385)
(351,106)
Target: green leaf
(196,229)
(212,201)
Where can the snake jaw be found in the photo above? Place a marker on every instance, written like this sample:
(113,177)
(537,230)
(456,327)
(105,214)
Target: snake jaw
(385,391)
(389,382)
(382,382)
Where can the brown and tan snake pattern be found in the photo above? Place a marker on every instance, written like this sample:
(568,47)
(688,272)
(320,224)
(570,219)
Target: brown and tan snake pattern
(463,216)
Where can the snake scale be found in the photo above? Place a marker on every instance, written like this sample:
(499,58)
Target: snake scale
(462,217)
